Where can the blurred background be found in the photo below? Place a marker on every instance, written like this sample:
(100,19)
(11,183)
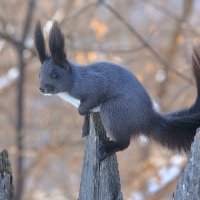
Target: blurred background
(151,38)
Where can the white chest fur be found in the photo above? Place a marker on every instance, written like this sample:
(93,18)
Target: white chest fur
(75,102)
(66,97)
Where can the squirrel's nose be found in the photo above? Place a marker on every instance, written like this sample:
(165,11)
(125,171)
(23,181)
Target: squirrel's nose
(41,89)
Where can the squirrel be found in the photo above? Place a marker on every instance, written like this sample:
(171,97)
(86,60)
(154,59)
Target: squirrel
(124,105)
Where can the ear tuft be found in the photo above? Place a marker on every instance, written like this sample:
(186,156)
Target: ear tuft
(57,44)
(39,42)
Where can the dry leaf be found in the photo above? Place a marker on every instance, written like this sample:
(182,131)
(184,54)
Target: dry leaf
(80,58)
(149,68)
(92,56)
(100,29)
(180,39)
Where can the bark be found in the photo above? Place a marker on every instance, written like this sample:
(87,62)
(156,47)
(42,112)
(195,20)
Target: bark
(6,179)
(189,181)
(100,180)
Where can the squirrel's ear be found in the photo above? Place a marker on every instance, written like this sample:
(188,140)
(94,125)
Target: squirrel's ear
(57,44)
(39,42)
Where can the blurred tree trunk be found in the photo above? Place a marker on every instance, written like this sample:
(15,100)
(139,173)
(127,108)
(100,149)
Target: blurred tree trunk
(100,180)
(189,182)
(20,100)
(6,179)
(173,47)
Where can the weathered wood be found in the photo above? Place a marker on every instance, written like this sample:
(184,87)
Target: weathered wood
(100,180)
(189,182)
(6,179)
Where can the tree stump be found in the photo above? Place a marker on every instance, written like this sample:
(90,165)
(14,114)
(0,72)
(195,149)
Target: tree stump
(189,182)
(6,179)
(99,180)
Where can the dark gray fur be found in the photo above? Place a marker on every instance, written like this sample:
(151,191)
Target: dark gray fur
(126,108)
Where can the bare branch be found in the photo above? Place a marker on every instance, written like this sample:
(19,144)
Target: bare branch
(109,50)
(174,16)
(143,41)
(81,11)
(173,47)
(10,39)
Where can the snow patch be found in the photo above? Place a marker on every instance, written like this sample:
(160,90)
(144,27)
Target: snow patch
(10,77)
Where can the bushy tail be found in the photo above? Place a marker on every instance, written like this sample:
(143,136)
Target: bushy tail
(177,130)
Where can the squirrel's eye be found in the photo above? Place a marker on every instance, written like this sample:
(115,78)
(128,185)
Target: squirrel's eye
(55,75)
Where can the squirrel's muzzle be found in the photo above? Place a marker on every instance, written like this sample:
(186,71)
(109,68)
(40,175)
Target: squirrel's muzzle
(47,89)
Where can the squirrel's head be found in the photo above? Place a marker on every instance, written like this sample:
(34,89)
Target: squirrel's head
(55,73)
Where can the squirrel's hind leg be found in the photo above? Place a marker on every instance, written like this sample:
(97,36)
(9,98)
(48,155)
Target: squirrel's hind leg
(110,147)
(86,125)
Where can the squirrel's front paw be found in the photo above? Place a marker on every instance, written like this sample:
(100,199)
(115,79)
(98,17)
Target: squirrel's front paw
(82,111)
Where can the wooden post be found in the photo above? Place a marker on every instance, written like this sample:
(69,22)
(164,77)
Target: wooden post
(189,182)
(6,179)
(99,180)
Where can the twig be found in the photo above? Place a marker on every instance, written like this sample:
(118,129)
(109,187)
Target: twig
(109,50)
(10,39)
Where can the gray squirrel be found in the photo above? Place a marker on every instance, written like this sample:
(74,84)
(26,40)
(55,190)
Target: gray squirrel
(125,107)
